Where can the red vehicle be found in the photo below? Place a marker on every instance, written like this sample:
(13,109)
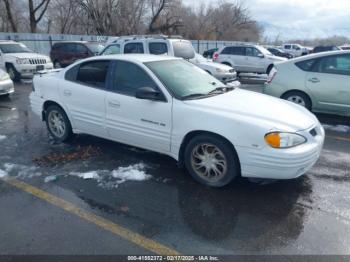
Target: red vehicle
(65,53)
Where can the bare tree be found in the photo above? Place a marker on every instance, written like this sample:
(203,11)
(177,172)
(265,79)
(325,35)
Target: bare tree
(9,15)
(36,13)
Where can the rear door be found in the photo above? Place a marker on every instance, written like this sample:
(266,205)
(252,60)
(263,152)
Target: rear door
(84,93)
(330,83)
(142,123)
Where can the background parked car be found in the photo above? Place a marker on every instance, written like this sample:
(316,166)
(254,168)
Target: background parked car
(319,82)
(247,58)
(295,49)
(20,62)
(279,52)
(209,53)
(6,84)
(345,47)
(222,72)
(163,45)
(323,48)
(65,53)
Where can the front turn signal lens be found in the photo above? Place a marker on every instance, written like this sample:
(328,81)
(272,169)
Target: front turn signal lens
(284,140)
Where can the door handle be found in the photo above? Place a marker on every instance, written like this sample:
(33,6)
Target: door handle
(67,92)
(114,104)
(314,80)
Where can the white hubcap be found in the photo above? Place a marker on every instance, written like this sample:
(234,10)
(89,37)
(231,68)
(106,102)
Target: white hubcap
(297,100)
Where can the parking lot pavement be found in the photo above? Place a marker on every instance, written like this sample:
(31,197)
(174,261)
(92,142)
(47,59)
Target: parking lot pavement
(83,198)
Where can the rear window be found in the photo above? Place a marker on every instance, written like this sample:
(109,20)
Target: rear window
(183,49)
(93,73)
(133,48)
(306,65)
(158,48)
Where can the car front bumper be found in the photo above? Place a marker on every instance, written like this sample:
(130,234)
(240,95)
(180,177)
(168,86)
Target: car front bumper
(6,87)
(28,70)
(226,77)
(288,163)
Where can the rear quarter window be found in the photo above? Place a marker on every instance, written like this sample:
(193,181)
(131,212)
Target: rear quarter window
(183,49)
(306,65)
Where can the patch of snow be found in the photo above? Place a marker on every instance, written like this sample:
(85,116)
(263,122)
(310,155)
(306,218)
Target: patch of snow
(2,137)
(87,175)
(112,179)
(50,179)
(3,173)
(21,171)
(337,128)
(132,173)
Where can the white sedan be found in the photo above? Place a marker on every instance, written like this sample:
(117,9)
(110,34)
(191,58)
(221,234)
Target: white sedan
(222,72)
(6,84)
(170,106)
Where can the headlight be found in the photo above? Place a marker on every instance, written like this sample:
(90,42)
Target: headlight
(21,61)
(284,140)
(6,76)
(219,70)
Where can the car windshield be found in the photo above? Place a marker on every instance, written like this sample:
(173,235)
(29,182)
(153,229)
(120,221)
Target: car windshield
(14,48)
(183,79)
(95,47)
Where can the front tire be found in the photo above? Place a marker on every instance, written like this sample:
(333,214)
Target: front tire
(14,75)
(58,124)
(299,98)
(211,161)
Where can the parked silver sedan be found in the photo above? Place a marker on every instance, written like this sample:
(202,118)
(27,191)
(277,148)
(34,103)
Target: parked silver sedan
(319,82)
(6,84)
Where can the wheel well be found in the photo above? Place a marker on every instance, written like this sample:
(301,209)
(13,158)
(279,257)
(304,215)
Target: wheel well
(193,134)
(226,63)
(296,91)
(269,67)
(46,106)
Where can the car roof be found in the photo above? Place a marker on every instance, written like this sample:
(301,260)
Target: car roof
(317,55)
(76,42)
(8,42)
(141,58)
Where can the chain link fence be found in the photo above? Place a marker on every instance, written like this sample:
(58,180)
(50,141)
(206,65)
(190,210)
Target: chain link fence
(42,43)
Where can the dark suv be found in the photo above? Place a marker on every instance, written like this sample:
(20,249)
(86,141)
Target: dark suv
(65,53)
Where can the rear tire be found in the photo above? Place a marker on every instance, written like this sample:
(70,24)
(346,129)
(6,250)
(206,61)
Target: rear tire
(211,161)
(299,98)
(58,124)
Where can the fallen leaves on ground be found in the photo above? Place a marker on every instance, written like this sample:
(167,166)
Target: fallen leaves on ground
(80,153)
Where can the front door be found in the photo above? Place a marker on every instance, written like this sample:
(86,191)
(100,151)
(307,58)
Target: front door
(142,123)
(329,83)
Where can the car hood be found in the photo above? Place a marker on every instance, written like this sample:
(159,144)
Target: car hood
(277,58)
(279,114)
(27,55)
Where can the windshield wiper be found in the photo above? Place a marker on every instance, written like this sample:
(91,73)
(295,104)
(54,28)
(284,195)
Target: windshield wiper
(192,96)
(221,90)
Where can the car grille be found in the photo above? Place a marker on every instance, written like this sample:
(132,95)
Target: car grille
(37,61)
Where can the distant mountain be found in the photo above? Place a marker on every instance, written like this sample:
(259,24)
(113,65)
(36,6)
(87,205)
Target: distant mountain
(273,31)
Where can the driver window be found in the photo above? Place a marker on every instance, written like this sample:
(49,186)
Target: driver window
(129,77)
(251,51)
(112,50)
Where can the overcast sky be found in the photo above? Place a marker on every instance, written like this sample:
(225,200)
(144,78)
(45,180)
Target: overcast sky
(298,18)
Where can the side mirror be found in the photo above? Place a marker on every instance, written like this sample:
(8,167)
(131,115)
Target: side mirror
(261,56)
(148,93)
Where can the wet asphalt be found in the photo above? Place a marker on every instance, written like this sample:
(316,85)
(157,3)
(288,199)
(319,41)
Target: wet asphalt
(309,215)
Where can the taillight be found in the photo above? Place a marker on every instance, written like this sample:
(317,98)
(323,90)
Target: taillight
(215,56)
(272,75)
